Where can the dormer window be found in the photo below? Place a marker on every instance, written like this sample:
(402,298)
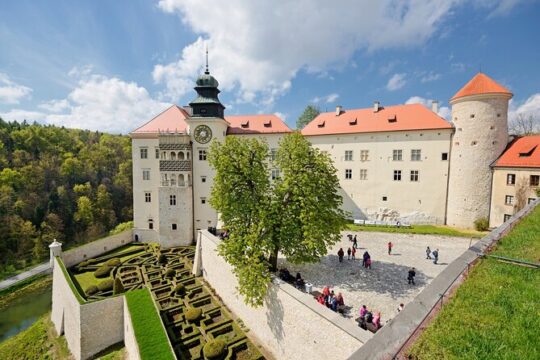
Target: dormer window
(527,153)
(268,123)
(321,124)
(353,122)
(245,124)
(392,119)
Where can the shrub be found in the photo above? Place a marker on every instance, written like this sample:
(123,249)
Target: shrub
(193,314)
(91,290)
(83,264)
(215,349)
(180,289)
(118,287)
(113,262)
(170,273)
(103,271)
(91,261)
(106,285)
(162,259)
(481,224)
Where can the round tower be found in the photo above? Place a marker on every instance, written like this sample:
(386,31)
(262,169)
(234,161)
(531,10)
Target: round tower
(480,117)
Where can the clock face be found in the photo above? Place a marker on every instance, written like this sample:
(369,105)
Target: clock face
(203,134)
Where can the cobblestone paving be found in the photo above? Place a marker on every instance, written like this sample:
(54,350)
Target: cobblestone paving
(385,286)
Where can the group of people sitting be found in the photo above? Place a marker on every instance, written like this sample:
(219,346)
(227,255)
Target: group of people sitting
(286,276)
(368,320)
(328,298)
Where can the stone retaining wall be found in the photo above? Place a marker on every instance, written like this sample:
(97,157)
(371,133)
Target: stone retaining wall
(290,324)
(130,341)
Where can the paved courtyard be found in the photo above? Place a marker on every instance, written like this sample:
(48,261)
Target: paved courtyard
(385,286)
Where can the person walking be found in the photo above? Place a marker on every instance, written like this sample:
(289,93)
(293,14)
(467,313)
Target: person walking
(349,254)
(340,254)
(355,243)
(364,258)
(412,274)
(428,253)
(353,253)
(390,245)
(368,263)
(435,256)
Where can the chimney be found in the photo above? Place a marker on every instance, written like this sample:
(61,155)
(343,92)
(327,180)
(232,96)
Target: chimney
(338,110)
(435,106)
(376,106)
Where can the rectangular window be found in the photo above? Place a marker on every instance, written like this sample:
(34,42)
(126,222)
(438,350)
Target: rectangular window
(363,174)
(530,200)
(146,174)
(348,173)
(507,217)
(510,179)
(173,226)
(203,200)
(414,175)
(397,155)
(397,175)
(275,174)
(157,153)
(416,155)
(147,197)
(144,153)
(364,155)
(202,155)
(203,179)
(348,155)
(273,154)
(385,198)
(444,156)
(509,200)
(172,200)
(150,224)
(535,180)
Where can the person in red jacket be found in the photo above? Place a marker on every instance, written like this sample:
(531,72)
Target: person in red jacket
(390,246)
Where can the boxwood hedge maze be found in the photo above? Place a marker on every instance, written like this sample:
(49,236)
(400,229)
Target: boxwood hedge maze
(197,323)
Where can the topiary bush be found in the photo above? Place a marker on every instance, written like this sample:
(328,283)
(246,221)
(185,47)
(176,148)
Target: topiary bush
(170,273)
(162,259)
(91,290)
(113,262)
(103,271)
(106,285)
(91,261)
(193,314)
(481,224)
(118,286)
(83,264)
(180,290)
(215,349)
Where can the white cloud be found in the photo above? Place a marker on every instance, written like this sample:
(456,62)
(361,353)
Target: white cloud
(330,98)
(257,47)
(11,92)
(444,111)
(431,76)
(281,115)
(396,82)
(97,103)
(498,7)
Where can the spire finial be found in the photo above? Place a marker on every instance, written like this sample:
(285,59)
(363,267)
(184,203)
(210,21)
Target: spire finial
(207,71)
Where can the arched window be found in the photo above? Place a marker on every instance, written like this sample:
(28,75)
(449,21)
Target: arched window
(164,180)
(181,181)
(187,155)
(163,155)
(173,155)
(173,180)
(180,155)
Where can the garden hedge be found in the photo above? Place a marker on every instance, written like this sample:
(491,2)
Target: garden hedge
(113,262)
(106,285)
(91,290)
(193,314)
(103,271)
(215,349)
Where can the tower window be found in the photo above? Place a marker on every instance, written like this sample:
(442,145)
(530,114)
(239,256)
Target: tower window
(172,200)
(444,156)
(202,155)
(474,143)
(203,179)
(472,116)
(147,197)
(203,200)
(397,175)
(144,153)
(173,226)
(384,198)
(146,174)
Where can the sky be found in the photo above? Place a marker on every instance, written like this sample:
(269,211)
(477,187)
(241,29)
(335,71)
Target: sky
(113,65)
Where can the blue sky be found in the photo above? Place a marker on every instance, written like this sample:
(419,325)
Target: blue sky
(112,65)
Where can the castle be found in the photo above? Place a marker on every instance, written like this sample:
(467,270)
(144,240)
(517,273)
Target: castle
(401,163)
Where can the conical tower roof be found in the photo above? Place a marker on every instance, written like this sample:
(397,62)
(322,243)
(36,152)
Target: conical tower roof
(481,84)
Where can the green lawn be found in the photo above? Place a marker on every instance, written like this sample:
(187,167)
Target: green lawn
(495,314)
(419,229)
(151,337)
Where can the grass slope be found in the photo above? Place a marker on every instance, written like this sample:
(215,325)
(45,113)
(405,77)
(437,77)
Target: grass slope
(150,335)
(419,229)
(495,313)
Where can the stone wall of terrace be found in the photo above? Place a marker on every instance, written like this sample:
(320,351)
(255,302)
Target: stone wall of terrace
(290,323)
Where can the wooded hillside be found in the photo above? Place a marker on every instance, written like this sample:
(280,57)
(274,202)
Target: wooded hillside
(68,184)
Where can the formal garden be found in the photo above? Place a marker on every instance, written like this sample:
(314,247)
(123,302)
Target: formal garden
(196,322)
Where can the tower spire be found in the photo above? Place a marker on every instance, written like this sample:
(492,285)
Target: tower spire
(207,71)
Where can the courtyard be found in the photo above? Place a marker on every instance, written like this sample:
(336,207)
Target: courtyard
(384,286)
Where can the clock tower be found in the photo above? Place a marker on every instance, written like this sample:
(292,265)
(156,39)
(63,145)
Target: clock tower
(205,125)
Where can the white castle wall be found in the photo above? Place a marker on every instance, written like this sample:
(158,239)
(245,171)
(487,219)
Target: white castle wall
(291,324)
(481,135)
(179,214)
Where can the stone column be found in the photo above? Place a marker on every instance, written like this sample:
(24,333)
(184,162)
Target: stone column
(55,250)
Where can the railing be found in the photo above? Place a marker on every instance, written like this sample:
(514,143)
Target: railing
(169,183)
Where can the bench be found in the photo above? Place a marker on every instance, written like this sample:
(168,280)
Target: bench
(366,326)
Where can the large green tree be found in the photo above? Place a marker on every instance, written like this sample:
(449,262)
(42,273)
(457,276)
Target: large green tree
(298,215)
(310,113)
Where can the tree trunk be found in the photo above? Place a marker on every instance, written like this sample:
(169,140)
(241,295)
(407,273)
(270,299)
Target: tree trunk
(273,260)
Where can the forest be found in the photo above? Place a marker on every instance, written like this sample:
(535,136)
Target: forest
(56,183)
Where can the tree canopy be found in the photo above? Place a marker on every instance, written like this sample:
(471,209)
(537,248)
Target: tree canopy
(298,214)
(310,113)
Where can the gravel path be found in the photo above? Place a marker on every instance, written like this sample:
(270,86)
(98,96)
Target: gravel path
(385,286)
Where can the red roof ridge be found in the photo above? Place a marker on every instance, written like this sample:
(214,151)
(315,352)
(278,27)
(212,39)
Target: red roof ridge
(138,130)
(253,124)
(481,84)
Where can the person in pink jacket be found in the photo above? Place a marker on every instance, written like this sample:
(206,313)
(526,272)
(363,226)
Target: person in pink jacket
(363,312)
(377,320)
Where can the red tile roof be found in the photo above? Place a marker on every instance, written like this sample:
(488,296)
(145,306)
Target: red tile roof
(481,84)
(522,152)
(391,118)
(256,124)
(173,119)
